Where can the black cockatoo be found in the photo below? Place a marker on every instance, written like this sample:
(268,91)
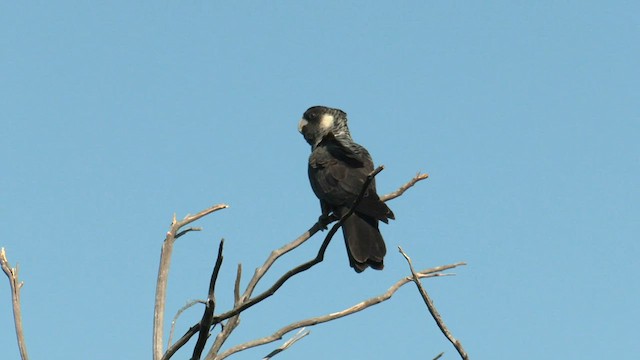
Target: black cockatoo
(338,168)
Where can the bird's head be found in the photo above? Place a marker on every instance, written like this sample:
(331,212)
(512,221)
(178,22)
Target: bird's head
(320,121)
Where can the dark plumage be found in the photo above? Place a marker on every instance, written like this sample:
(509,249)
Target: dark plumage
(338,167)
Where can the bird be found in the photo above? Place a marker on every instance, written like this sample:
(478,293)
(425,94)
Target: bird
(338,168)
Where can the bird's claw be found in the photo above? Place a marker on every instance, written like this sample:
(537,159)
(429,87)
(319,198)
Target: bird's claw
(326,219)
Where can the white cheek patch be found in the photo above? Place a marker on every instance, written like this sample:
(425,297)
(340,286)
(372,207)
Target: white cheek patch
(326,122)
(302,124)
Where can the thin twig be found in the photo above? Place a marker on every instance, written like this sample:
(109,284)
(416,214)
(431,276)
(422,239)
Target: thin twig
(432,309)
(233,321)
(433,272)
(405,187)
(188,230)
(287,344)
(177,315)
(236,285)
(438,356)
(163,274)
(171,350)
(16,285)
(207,316)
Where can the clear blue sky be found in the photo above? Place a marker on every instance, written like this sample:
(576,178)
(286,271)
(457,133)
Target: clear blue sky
(115,115)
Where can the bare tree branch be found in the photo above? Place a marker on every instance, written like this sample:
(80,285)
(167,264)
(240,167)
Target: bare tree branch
(207,316)
(405,187)
(299,335)
(163,273)
(433,272)
(236,285)
(233,321)
(188,230)
(224,334)
(275,254)
(12,274)
(171,350)
(432,309)
(177,315)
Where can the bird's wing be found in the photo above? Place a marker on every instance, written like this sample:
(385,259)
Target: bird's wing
(337,175)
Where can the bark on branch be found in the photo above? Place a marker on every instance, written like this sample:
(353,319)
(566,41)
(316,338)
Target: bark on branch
(405,187)
(207,316)
(163,272)
(16,285)
(287,344)
(433,272)
(432,309)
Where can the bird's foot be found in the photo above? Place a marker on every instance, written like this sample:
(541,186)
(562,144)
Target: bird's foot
(326,219)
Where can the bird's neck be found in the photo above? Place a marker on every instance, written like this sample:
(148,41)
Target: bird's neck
(341,136)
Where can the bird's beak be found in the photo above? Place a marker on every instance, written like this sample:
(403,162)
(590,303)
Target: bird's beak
(302,124)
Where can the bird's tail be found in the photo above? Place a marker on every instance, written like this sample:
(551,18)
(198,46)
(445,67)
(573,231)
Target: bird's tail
(365,245)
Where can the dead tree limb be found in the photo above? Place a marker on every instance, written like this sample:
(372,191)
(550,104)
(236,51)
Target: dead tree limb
(207,316)
(163,273)
(233,321)
(405,187)
(287,344)
(16,285)
(189,304)
(433,272)
(432,309)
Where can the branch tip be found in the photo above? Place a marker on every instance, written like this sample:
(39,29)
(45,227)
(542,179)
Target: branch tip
(432,309)
(16,285)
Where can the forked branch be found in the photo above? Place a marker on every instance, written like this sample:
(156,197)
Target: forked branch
(433,272)
(432,309)
(163,272)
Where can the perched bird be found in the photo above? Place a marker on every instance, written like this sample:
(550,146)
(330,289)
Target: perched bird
(338,168)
